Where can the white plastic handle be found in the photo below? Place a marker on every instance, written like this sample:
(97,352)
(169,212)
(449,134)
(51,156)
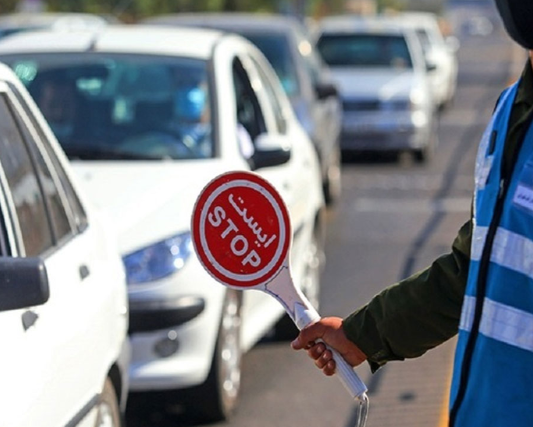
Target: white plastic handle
(305,314)
(348,376)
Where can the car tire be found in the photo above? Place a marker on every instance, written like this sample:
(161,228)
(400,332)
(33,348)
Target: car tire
(285,329)
(333,181)
(216,399)
(108,410)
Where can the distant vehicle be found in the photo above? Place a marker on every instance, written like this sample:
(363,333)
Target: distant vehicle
(304,76)
(61,21)
(379,68)
(439,52)
(148,116)
(478,26)
(63,296)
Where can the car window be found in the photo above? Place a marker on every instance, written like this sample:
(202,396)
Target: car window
(53,195)
(365,50)
(314,66)
(277,49)
(24,185)
(60,220)
(249,113)
(5,249)
(122,107)
(312,62)
(77,212)
(274,102)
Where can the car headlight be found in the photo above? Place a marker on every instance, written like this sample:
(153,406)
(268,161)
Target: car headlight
(158,260)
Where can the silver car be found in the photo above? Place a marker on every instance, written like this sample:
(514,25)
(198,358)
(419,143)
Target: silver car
(380,71)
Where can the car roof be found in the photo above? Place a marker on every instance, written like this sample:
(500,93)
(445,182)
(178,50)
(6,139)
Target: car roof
(378,24)
(420,19)
(230,20)
(48,19)
(7,74)
(188,42)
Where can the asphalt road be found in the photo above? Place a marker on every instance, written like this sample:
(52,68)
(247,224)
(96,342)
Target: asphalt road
(394,217)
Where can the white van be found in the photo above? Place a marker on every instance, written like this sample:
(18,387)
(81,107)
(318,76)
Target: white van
(63,299)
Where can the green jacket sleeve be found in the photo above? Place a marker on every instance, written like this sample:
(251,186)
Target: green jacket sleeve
(416,314)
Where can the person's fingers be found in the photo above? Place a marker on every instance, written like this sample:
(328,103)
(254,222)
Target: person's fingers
(308,335)
(316,350)
(324,359)
(330,368)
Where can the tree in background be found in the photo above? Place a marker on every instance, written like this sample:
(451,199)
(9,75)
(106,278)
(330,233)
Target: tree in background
(133,10)
(8,6)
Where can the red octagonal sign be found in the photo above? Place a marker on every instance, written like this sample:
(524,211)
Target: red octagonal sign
(241,229)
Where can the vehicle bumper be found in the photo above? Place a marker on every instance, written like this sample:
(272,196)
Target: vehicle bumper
(406,140)
(173,329)
(162,314)
(385,134)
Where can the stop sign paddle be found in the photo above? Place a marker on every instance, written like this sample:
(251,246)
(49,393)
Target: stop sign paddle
(241,233)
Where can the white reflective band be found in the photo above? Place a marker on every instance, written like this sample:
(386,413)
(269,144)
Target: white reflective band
(500,322)
(478,241)
(510,250)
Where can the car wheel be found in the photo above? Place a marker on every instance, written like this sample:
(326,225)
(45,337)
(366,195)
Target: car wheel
(285,329)
(108,410)
(333,183)
(216,398)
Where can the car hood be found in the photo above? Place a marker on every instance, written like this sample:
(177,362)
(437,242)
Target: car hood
(146,202)
(374,82)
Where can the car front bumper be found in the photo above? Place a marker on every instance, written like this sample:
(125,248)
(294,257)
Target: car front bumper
(155,315)
(173,328)
(385,132)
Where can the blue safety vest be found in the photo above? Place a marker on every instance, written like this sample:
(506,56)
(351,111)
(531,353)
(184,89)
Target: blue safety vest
(493,372)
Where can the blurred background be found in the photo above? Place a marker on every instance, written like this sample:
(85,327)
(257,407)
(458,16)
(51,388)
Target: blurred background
(133,10)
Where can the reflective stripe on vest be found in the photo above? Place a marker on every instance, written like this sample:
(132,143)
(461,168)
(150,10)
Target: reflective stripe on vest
(500,322)
(509,250)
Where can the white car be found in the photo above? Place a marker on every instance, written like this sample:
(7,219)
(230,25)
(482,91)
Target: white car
(12,23)
(304,77)
(63,294)
(440,53)
(382,77)
(151,115)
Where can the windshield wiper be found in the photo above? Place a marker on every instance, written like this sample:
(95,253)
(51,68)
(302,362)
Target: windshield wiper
(106,153)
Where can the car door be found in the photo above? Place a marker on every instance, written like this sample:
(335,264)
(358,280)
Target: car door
(62,340)
(20,370)
(298,181)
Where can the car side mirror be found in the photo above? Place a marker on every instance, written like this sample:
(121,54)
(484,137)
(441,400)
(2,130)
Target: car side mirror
(270,150)
(430,66)
(23,283)
(326,90)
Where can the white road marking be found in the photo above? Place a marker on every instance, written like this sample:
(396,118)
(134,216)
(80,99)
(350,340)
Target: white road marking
(451,205)
(405,182)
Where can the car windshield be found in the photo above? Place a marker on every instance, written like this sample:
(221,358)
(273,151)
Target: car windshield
(127,107)
(276,49)
(365,50)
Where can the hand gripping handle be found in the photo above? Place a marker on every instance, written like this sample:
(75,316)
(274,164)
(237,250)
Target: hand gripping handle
(304,316)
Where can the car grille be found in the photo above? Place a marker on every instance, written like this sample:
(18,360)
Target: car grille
(360,105)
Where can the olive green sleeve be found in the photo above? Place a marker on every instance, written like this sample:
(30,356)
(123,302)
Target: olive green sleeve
(416,314)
